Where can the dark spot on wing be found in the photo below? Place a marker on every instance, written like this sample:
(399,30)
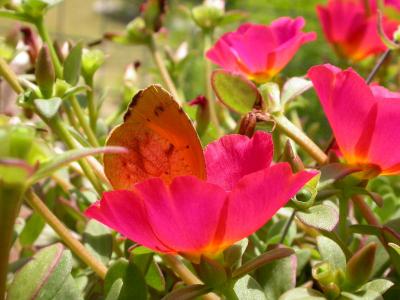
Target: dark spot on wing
(158,110)
(170,149)
(133,103)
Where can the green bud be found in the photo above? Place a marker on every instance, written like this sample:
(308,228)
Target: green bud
(92,60)
(136,32)
(38,8)
(207,17)
(211,272)
(359,267)
(61,87)
(44,71)
(323,273)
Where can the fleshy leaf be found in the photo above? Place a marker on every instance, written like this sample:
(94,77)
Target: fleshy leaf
(235,91)
(48,107)
(320,217)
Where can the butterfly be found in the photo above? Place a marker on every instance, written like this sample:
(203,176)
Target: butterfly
(160,139)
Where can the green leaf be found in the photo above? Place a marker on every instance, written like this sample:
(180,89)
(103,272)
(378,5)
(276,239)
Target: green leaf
(294,87)
(302,293)
(98,240)
(154,277)
(331,253)
(48,107)
(43,276)
(65,158)
(211,272)
(134,285)
(247,288)
(115,290)
(395,247)
(360,265)
(320,216)
(69,290)
(278,277)
(235,91)
(364,295)
(188,293)
(378,285)
(233,254)
(72,65)
(32,229)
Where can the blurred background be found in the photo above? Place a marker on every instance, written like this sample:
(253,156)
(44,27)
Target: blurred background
(88,20)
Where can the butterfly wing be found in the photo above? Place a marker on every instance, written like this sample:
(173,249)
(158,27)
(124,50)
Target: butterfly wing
(161,140)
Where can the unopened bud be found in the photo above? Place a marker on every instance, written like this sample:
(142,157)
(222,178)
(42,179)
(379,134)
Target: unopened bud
(202,114)
(292,158)
(248,124)
(206,16)
(45,75)
(359,267)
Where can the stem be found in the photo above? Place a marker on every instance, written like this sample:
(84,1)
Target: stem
(10,76)
(70,116)
(185,274)
(343,213)
(83,122)
(9,14)
(76,247)
(63,133)
(377,66)
(300,138)
(287,226)
(11,196)
(365,210)
(163,70)
(209,93)
(91,104)
(44,34)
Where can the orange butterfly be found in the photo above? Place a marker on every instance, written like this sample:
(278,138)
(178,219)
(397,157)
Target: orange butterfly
(161,140)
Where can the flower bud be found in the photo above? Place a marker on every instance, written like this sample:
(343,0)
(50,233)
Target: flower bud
(202,114)
(136,31)
(207,17)
(292,158)
(92,60)
(153,12)
(359,267)
(45,74)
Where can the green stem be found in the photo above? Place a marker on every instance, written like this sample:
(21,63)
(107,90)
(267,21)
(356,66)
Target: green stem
(10,76)
(343,213)
(300,138)
(76,247)
(209,93)
(44,34)
(65,136)
(185,274)
(70,116)
(163,70)
(83,122)
(9,14)
(91,104)
(287,226)
(11,196)
(229,293)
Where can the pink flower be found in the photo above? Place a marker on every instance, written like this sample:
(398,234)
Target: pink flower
(258,51)
(364,119)
(194,217)
(351,27)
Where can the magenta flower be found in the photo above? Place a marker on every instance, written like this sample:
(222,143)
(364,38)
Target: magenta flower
(364,119)
(258,51)
(351,27)
(194,217)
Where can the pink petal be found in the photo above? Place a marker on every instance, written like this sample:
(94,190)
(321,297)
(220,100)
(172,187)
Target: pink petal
(253,45)
(346,100)
(124,212)
(258,196)
(185,215)
(380,92)
(221,54)
(234,156)
(384,149)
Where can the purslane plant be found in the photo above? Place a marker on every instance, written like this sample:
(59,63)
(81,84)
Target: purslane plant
(249,206)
